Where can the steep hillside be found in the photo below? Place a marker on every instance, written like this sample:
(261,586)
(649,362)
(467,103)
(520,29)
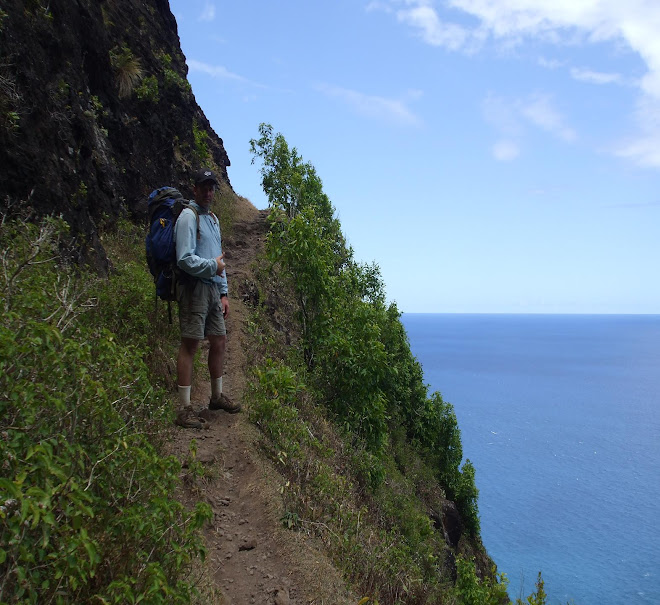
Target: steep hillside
(96,111)
(339,442)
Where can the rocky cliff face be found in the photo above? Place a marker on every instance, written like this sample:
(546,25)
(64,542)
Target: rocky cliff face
(96,111)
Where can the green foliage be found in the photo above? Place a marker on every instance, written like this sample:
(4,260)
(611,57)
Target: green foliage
(63,89)
(201,151)
(358,366)
(274,394)
(470,590)
(293,185)
(171,77)
(127,305)
(289,183)
(466,495)
(353,364)
(365,487)
(148,89)
(128,70)
(356,347)
(12,121)
(80,195)
(86,512)
(96,109)
(298,245)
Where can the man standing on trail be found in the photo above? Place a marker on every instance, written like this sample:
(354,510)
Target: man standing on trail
(202,298)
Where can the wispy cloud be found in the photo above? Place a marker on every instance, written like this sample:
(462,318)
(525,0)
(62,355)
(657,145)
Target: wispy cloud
(644,150)
(595,77)
(633,24)
(540,111)
(505,151)
(220,72)
(208,13)
(375,107)
(512,119)
(550,63)
(431,29)
(376,5)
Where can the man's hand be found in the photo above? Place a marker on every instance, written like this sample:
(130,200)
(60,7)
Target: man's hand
(220,263)
(225,306)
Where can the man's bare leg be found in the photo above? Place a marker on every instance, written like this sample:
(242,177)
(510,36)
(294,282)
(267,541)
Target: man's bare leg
(219,401)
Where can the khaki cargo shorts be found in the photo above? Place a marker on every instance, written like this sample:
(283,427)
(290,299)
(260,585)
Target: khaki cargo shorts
(200,310)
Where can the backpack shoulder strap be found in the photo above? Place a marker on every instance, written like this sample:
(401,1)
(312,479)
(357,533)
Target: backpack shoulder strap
(199,233)
(187,206)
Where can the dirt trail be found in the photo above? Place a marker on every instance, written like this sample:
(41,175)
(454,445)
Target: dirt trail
(251,557)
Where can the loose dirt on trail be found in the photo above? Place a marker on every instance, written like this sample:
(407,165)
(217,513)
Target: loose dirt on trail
(251,557)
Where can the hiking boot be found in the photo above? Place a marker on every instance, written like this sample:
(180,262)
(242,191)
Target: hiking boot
(224,403)
(187,419)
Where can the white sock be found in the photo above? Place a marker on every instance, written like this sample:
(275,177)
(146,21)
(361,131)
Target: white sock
(184,396)
(216,388)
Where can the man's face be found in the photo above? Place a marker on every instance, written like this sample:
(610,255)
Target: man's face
(204,193)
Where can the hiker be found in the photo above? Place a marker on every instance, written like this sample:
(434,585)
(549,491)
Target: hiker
(202,298)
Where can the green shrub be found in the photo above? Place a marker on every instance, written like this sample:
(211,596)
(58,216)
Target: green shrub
(539,597)
(86,512)
(470,590)
(274,394)
(201,138)
(128,70)
(396,450)
(148,89)
(171,77)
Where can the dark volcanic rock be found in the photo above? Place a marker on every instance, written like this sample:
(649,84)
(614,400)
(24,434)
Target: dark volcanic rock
(451,523)
(69,143)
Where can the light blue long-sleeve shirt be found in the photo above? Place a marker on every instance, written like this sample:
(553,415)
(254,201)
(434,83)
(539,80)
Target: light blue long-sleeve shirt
(197,256)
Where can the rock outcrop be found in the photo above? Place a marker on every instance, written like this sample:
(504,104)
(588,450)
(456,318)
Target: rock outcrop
(95,112)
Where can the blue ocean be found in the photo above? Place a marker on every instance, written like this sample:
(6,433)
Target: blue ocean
(560,415)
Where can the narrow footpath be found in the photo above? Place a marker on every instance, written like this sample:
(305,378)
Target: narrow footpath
(251,558)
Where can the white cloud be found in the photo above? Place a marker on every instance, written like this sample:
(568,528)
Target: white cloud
(512,119)
(539,110)
(505,151)
(550,63)
(645,148)
(595,77)
(219,71)
(376,5)
(432,29)
(208,14)
(596,19)
(382,108)
(632,24)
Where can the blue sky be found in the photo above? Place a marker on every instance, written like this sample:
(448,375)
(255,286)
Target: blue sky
(489,155)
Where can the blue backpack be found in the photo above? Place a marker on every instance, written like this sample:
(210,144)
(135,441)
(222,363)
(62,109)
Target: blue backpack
(165,206)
